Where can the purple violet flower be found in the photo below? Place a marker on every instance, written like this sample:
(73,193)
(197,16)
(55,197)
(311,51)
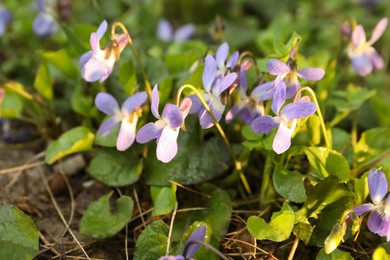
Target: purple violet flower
(363,56)
(5,18)
(221,59)
(287,77)
(98,63)
(379,219)
(285,119)
(214,85)
(166,33)
(166,128)
(191,246)
(44,23)
(127,115)
(249,107)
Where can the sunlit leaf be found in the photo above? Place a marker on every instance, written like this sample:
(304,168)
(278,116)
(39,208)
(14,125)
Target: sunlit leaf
(289,184)
(152,243)
(335,255)
(43,83)
(60,59)
(164,199)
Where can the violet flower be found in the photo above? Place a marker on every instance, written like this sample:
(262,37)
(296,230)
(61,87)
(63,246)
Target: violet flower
(214,85)
(127,116)
(379,219)
(5,18)
(191,246)
(223,63)
(363,56)
(44,23)
(288,77)
(166,33)
(285,119)
(249,107)
(98,63)
(166,128)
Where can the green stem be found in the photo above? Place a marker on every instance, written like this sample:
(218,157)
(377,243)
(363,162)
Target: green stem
(266,182)
(147,85)
(323,127)
(237,163)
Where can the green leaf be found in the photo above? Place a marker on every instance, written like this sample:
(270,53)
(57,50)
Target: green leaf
(289,184)
(43,83)
(116,168)
(278,229)
(128,78)
(76,140)
(164,199)
(80,103)
(326,162)
(196,77)
(99,222)
(152,243)
(335,255)
(11,105)
(19,238)
(61,60)
(108,140)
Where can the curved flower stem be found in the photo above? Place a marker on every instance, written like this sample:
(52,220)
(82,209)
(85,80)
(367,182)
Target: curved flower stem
(237,163)
(147,85)
(323,127)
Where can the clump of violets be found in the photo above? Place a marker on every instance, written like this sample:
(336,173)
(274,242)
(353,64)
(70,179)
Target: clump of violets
(191,245)
(5,19)
(166,129)
(98,63)
(214,84)
(285,119)
(127,116)
(44,23)
(379,218)
(363,56)
(166,33)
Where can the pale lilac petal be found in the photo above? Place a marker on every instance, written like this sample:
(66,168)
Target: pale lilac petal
(282,139)
(277,67)
(102,29)
(122,41)
(233,112)
(107,126)
(41,4)
(5,19)
(378,186)
(198,234)
(155,102)
(134,101)
(232,61)
(224,83)
(167,144)
(94,42)
(126,135)
(311,74)
(172,114)
(184,32)
(250,112)
(85,58)
(196,104)
(264,124)
(97,69)
(360,210)
(376,59)
(379,30)
(209,72)
(106,103)
(44,24)
(379,223)
(279,97)
(185,106)
(216,108)
(164,30)
(362,64)
(149,132)
(298,110)
(222,54)
(358,36)
(263,92)
(243,83)
(292,89)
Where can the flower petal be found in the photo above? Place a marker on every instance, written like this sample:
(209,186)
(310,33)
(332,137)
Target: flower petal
(184,32)
(172,114)
(41,4)
(85,58)
(224,83)
(376,59)
(379,223)
(379,30)
(126,135)
(222,54)
(107,126)
(263,92)
(164,30)
(102,29)
(209,72)
(243,82)
(94,42)
(44,24)
(233,112)
(149,132)
(196,104)
(298,110)
(378,186)
(277,67)
(360,210)
(198,234)
(311,74)
(97,69)
(358,36)
(232,61)
(282,139)
(106,103)
(185,106)
(167,144)
(134,101)
(155,102)
(264,124)
(279,97)
(216,108)
(362,64)
(122,40)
